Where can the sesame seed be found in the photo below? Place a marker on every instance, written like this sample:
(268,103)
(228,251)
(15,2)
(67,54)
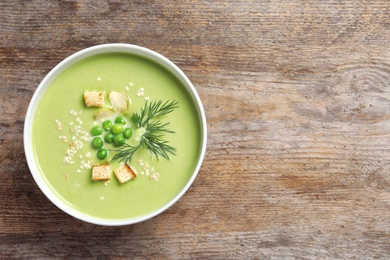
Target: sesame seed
(127,88)
(131,84)
(99,79)
(73,112)
(155,176)
(140,92)
(59,124)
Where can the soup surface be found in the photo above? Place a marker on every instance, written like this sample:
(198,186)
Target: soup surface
(62,121)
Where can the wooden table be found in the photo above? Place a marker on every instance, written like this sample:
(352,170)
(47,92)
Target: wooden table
(297,98)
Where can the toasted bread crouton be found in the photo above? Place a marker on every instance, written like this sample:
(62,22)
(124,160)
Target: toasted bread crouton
(94,98)
(119,101)
(124,173)
(101,172)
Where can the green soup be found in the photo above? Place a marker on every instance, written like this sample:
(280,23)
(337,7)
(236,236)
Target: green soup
(62,119)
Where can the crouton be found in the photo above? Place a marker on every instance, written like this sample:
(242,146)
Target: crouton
(101,172)
(94,98)
(124,173)
(119,101)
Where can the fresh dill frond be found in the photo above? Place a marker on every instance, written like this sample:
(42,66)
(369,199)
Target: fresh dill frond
(151,111)
(156,127)
(125,153)
(157,146)
(152,138)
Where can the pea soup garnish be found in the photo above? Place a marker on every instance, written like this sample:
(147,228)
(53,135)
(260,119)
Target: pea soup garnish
(147,122)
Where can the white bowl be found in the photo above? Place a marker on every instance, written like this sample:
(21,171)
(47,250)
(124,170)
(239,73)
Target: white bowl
(56,71)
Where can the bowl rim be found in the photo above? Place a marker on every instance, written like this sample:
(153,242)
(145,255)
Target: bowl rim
(56,71)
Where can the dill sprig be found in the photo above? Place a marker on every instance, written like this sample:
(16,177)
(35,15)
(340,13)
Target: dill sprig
(125,153)
(152,110)
(152,138)
(156,145)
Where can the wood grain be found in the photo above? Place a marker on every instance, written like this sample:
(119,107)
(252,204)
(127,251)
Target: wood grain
(296,95)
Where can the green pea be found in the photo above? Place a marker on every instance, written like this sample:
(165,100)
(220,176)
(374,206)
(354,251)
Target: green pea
(96,130)
(109,138)
(120,120)
(97,142)
(102,153)
(127,133)
(107,125)
(119,140)
(117,129)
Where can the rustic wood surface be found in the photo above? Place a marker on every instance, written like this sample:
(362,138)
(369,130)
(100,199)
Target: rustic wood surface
(297,98)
